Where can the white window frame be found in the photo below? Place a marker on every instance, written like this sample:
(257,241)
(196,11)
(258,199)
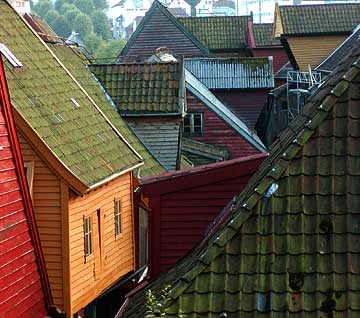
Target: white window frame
(117,217)
(192,132)
(88,243)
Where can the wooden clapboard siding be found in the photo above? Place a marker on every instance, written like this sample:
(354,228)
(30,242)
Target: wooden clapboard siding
(114,256)
(47,206)
(184,203)
(311,50)
(160,31)
(246,104)
(279,55)
(160,136)
(217,132)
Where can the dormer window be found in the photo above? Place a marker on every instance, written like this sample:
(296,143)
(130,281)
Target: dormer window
(9,56)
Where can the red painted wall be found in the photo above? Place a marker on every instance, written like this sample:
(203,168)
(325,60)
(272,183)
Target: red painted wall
(184,204)
(217,132)
(21,293)
(247,105)
(279,55)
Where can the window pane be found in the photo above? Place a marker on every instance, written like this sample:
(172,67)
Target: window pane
(187,124)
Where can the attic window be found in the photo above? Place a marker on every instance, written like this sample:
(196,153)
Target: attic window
(9,56)
(263,302)
(74,101)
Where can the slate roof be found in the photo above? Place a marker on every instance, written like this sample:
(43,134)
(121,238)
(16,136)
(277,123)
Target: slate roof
(263,35)
(321,18)
(218,33)
(42,92)
(291,244)
(332,61)
(143,88)
(77,63)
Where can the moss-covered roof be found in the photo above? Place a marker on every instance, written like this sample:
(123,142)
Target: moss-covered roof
(218,33)
(289,244)
(44,94)
(77,63)
(263,35)
(143,88)
(320,18)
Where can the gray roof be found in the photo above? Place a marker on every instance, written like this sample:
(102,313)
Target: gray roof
(233,73)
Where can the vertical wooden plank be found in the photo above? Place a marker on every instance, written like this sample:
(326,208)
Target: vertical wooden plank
(66,247)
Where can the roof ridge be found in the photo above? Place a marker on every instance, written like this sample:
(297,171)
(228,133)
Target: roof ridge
(275,165)
(172,18)
(272,168)
(84,92)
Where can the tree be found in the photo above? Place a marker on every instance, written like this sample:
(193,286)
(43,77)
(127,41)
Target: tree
(61,26)
(70,11)
(101,25)
(101,4)
(85,6)
(111,51)
(83,25)
(42,7)
(92,42)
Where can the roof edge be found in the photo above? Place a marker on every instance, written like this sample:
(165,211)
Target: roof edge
(20,171)
(225,114)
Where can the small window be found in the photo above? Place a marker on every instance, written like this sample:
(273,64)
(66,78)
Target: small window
(88,236)
(29,172)
(118,224)
(193,124)
(10,56)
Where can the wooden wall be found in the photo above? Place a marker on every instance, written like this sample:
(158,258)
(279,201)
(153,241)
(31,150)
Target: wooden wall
(159,31)
(217,132)
(279,55)
(313,49)
(183,207)
(113,256)
(47,206)
(21,293)
(247,105)
(160,135)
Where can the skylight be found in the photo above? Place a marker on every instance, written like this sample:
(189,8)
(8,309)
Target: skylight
(74,101)
(9,56)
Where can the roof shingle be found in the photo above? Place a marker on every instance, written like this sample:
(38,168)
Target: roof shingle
(143,88)
(263,35)
(218,33)
(291,243)
(80,137)
(77,63)
(321,18)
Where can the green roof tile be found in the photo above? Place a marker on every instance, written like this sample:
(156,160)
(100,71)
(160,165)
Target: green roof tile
(76,63)
(218,33)
(294,251)
(321,18)
(41,91)
(143,88)
(263,35)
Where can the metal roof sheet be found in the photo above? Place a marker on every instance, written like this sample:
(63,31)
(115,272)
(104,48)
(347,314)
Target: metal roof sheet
(232,73)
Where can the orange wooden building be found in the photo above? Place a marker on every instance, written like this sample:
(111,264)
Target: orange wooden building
(310,33)
(80,169)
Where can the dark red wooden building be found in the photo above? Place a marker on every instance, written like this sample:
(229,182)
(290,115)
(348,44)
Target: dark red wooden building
(183,204)
(24,288)
(262,43)
(242,84)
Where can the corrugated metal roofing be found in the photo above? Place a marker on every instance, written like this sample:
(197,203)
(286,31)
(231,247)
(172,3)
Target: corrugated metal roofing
(229,73)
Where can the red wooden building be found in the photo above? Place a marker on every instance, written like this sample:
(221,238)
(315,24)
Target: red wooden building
(262,43)
(184,203)
(24,287)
